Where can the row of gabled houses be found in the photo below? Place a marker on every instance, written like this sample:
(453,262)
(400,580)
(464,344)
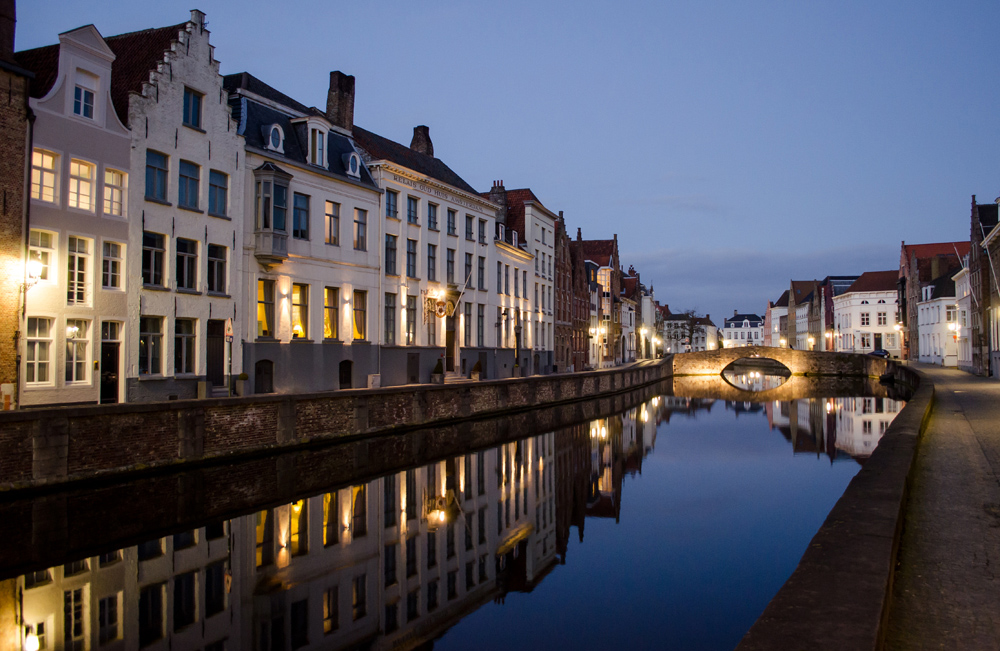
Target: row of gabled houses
(170,232)
(941,306)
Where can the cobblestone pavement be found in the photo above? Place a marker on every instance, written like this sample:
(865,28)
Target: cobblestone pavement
(946,593)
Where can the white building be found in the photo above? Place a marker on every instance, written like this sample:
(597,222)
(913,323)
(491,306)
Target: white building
(964,306)
(310,241)
(937,323)
(777,311)
(75,317)
(865,316)
(742,330)
(861,422)
(186,225)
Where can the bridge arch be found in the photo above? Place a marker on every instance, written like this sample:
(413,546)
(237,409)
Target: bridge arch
(798,362)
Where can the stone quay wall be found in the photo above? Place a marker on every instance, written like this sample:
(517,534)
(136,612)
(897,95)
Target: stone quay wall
(52,446)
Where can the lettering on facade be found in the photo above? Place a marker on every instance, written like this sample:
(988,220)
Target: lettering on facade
(440,194)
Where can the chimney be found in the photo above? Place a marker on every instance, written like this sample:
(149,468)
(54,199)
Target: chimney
(422,141)
(735,312)
(340,100)
(198,18)
(8,19)
(498,195)
(579,234)
(935,267)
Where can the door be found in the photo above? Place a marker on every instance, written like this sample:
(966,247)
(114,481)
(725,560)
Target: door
(215,353)
(413,368)
(109,372)
(449,343)
(346,370)
(878,341)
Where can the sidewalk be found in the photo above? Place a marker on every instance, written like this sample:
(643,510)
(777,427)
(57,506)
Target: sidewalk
(947,590)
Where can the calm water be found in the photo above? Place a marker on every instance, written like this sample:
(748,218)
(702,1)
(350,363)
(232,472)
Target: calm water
(670,525)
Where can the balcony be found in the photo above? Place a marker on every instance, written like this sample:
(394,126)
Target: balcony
(270,247)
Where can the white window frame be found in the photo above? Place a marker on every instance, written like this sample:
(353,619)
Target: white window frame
(111,265)
(77,351)
(86,82)
(115,192)
(45,176)
(33,344)
(78,270)
(80,194)
(44,254)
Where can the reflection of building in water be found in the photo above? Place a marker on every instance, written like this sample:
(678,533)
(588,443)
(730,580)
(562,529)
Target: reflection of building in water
(861,422)
(837,427)
(392,563)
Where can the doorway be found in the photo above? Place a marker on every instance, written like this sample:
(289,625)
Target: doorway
(215,353)
(263,376)
(449,343)
(878,341)
(110,358)
(346,371)
(413,368)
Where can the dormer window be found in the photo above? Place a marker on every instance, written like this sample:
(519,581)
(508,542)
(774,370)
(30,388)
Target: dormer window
(317,154)
(83,95)
(352,164)
(274,138)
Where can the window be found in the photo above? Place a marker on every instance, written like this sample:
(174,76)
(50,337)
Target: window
(452,584)
(411,494)
(411,210)
(431,549)
(77,333)
(432,216)
(111,266)
(882,320)
(468,324)
(411,320)
(150,614)
(187,264)
(150,344)
(391,199)
(331,620)
(187,185)
(452,217)
(470,577)
(300,216)
(469,223)
(40,248)
(468,270)
(184,346)
(506,279)
(39,342)
(156,176)
(481,273)
(265,308)
(411,556)
(192,108)
(359,511)
(482,231)
(83,95)
(215,588)
(432,595)
(480,324)
(431,262)
(359,601)
(516,293)
(184,602)
(77,261)
(481,522)
(411,258)
(300,624)
(865,318)
(331,297)
(389,564)
(360,228)
(450,536)
(390,254)
(218,193)
(389,316)
(331,520)
(217,268)
(107,619)
(332,233)
(74,616)
(450,265)
(271,203)
(152,259)
(391,617)
(316,154)
(298,528)
(81,185)
(412,604)
(499,277)
(524,283)
(360,315)
(432,331)
(264,536)
(110,558)
(150,549)
(44,172)
(300,311)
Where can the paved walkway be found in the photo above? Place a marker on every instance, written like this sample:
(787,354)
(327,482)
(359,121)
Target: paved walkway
(947,585)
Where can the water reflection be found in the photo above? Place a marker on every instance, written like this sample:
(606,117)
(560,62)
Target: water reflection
(753,374)
(396,561)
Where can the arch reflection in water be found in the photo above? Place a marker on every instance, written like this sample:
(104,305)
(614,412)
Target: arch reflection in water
(756,374)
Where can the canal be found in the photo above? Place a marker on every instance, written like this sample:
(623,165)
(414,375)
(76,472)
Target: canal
(649,519)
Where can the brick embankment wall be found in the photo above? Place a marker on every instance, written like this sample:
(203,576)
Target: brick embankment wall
(838,596)
(51,446)
(56,527)
(799,362)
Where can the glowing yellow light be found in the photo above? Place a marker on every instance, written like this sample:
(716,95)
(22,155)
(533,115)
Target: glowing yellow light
(31,642)
(34,269)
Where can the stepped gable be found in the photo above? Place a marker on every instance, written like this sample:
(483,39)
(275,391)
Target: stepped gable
(136,54)
(379,148)
(599,251)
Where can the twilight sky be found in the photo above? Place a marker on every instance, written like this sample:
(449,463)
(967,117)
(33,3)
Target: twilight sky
(730,145)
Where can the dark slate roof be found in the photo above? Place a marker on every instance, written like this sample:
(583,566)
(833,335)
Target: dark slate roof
(876,281)
(379,148)
(136,54)
(736,321)
(255,120)
(944,287)
(839,284)
(782,300)
(801,290)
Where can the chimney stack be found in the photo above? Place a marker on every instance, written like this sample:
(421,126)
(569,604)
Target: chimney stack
(735,312)
(340,100)
(8,19)
(498,195)
(422,140)
(579,234)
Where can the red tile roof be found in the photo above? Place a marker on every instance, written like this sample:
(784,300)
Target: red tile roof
(599,251)
(629,286)
(782,300)
(936,249)
(136,54)
(875,281)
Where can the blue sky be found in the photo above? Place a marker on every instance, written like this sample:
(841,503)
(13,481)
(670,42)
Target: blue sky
(730,145)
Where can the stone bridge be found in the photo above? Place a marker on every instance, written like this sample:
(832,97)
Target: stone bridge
(697,374)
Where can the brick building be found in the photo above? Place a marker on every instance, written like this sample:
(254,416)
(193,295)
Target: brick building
(14,145)
(604,254)
(563,299)
(581,305)
(919,265)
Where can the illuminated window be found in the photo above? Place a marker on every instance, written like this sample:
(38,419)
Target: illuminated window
(300,311)
(77,336)
(265,308)
(331,619)
(41,247)
(411,320)
(115,192)
(359,511)
(331,313)
(331,523)
(316,153)
(265,538)
(39,342)
(81,185)
(298,528)
(360,310)
(77,264)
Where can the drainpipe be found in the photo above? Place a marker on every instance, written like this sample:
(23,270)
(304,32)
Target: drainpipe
(26,221)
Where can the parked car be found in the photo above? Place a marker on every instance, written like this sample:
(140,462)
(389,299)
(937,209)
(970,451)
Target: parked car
(884,354)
